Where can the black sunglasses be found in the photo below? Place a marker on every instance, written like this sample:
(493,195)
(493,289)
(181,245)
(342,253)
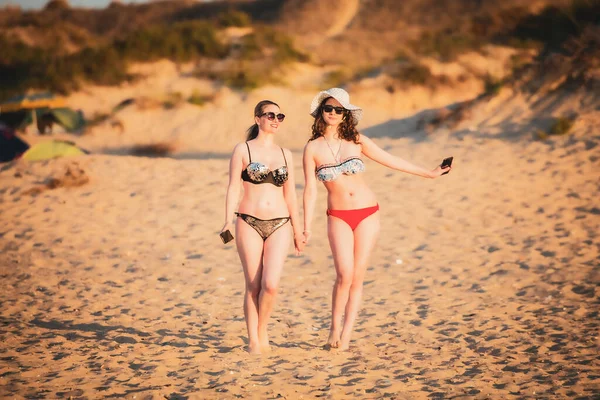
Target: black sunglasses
(338,110)
(271,116)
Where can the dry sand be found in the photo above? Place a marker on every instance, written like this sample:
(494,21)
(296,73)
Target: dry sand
(484,283)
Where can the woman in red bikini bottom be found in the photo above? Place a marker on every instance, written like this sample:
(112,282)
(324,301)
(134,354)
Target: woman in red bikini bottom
(333,156)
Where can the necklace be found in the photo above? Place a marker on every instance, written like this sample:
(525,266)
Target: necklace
(335,155)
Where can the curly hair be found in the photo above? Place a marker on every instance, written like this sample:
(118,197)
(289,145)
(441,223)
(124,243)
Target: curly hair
(346,129)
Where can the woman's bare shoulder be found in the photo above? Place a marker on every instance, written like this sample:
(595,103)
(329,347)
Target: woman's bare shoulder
(364,140)
(287,152)
(239,148)
(362,136)
(312,144)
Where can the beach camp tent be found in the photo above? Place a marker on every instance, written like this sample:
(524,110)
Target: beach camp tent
(42,109)
(52,149)
(32,101)
(11,146)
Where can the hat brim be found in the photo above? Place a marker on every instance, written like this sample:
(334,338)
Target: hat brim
(356,111)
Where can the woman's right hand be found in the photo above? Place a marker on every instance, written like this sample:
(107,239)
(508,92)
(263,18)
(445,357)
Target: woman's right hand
(228,225)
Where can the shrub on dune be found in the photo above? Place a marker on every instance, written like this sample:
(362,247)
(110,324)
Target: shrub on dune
(159,149)
(234,18)
(559,126)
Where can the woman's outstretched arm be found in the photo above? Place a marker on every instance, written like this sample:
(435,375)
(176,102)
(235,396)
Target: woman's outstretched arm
(234,187)
(376,153)
(310,189)
(289,193)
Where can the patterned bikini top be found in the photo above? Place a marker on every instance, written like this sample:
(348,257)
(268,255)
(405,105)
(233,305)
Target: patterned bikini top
(257,173)
(350,166)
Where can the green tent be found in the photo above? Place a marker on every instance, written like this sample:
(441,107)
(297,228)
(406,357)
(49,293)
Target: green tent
(70,119)
(42,109)
(32,101)
(52,149)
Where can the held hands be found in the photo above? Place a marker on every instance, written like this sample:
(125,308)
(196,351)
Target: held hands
(299,243)
(306,235)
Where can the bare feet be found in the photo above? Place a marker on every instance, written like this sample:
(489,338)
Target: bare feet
(344,342)
(344,346)
(264,342)
(334,340)
(265,347)
(254,348)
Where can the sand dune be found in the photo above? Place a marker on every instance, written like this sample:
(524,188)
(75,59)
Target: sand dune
(215,127)
(484,283)
(348,11)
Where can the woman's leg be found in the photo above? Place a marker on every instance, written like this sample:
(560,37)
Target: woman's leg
(276,250)
(365,238)
(341,241)
(250,249)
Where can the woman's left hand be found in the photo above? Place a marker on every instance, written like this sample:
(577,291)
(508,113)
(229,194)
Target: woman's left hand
(439,171)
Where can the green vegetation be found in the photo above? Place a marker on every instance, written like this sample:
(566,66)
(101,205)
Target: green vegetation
(234,18)
(266,42)
(492,85)
(24,67)
(159,149)
(51,68)
(198,99)
(337,78)
(555,25)
(560,126)
(413,73)
(180,42)
(517,27)
(341,76)
(446,45)
(256,60)
(243,78)
(173,100)
(74,46)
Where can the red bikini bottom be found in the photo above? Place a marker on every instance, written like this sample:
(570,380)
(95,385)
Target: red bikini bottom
(353,217)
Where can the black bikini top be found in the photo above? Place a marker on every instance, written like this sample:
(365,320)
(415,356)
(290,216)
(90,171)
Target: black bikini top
(258,173)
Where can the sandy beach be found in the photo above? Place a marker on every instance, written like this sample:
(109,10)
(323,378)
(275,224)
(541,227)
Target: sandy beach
(484,284)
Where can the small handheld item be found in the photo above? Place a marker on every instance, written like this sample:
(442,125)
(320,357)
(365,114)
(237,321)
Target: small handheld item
(446,164)
(226,236)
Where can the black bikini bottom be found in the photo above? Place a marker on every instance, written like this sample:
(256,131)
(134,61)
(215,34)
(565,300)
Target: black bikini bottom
(264,227)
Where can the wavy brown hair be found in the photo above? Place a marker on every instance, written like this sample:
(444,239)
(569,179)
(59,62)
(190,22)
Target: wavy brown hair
(346,129)
(252,132)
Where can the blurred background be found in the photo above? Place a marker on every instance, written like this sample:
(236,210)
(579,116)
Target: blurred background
(485,283)
(128,67)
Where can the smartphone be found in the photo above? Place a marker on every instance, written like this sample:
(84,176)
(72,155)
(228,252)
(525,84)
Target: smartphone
(226,236)
(447,163)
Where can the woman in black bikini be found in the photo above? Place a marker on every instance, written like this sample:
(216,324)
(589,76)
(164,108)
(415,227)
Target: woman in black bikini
(262,231)
(333,156)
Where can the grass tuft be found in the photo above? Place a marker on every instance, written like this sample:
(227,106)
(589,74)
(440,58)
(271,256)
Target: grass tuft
(160,149)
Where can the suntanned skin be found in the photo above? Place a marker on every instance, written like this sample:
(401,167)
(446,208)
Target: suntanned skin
(350,249)
(262,261)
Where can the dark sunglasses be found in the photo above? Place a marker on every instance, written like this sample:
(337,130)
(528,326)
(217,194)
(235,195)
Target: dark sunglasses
(338,110)
(271,116)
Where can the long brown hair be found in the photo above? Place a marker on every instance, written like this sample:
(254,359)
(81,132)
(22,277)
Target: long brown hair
(346,129)
(252,132)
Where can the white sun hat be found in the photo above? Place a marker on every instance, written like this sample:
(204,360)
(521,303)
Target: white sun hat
(340,95)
